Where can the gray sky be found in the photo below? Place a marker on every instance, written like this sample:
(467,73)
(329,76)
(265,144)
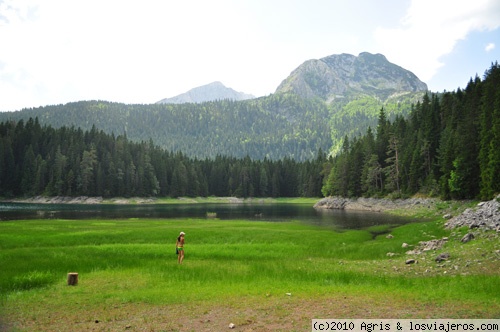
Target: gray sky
(58,51)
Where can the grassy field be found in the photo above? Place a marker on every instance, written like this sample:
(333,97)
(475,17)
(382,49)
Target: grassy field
(260,276)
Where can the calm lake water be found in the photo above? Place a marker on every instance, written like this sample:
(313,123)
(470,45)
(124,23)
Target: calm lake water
(258,212)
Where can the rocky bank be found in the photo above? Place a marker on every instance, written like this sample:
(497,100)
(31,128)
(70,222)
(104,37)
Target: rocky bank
(83,200)
(372,204)
(485,216)
(61,200)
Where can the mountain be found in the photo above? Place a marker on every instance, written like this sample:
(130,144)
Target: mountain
(208,92)
(355,88)
(345,76)
(319,104)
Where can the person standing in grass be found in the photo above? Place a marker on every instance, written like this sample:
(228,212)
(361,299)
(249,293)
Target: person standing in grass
(180,247)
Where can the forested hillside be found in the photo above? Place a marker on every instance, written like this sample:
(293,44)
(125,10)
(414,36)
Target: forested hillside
(41,160)
(273,127)
(448,146)
(353,118)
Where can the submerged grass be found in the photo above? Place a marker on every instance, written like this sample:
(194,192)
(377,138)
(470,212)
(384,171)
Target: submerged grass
(134,261)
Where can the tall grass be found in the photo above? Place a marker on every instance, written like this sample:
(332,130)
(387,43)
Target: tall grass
(134,260)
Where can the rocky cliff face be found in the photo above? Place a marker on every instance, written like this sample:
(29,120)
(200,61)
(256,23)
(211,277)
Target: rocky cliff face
(348,76)
(209,92)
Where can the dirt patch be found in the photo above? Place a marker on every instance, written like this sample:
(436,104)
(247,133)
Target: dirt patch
(274,313)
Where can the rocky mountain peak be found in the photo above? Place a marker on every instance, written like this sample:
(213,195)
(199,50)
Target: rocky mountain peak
(348,76)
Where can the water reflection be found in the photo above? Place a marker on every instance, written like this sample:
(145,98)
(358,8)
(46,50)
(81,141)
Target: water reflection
(265,212)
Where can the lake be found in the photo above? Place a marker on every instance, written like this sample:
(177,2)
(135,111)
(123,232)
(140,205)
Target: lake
(259,212)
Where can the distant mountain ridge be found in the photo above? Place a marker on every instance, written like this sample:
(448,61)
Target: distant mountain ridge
(209,92)
(345,76)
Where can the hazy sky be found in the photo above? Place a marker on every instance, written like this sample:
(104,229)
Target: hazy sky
(57,51)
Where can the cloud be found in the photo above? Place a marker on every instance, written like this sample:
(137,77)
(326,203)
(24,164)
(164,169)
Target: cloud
(489,47)
(431,29)
(57,51)
(12,12)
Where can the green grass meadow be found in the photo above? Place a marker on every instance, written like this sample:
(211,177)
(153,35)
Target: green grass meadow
(134,261)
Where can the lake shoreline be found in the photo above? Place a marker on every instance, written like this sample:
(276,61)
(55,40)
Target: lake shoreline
(484,215)
(156,200)
(469,213)
(369,204)
(374,204)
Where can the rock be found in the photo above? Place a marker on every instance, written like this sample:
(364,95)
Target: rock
(468,237)
(346,75)
(404,245)
(232,326)
(427,246)
(368,204)
(433,244)
(447,216)
(62,200)
(410,261)
(486,215)
(335,203)
(389,236)
(442,257)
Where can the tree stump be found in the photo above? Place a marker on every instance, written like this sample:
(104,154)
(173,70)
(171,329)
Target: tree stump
(72,279)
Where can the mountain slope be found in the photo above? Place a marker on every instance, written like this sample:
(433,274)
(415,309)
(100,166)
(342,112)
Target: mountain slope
(346,76)
(273,127)
(209,92)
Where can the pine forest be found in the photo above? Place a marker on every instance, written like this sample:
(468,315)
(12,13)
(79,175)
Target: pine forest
(36,160)
(449,146)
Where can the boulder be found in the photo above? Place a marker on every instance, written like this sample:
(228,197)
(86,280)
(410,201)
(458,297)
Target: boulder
(442,257)
(335,203)
(467,237)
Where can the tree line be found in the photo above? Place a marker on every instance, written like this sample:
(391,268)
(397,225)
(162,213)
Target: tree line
(68,161)
(449,146)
